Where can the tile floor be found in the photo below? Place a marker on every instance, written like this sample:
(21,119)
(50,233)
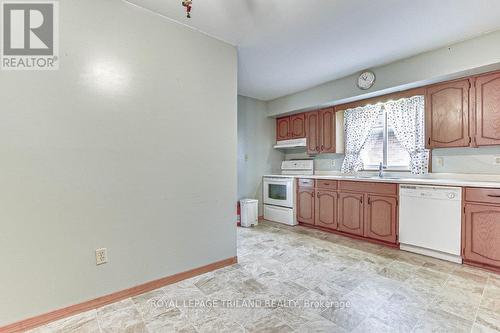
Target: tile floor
(319,282)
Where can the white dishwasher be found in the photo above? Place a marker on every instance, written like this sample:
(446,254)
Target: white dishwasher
(430,220)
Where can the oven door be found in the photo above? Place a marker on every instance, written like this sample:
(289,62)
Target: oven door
(278,192)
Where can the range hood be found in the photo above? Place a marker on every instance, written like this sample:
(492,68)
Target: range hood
(290,144)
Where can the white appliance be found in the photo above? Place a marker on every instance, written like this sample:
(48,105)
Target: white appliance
(279,191)
(249,212)
(297,167)
(293,143)
(430,221)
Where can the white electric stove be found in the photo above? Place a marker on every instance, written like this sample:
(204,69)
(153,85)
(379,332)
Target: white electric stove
(279,191)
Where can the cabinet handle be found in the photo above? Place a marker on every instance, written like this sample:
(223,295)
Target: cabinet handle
(429,141)
(494,195)
(369,202)
(322,147)
(361,200)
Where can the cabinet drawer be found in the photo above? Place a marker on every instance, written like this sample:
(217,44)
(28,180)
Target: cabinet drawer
(305,182)
(487,195)
(326,184)
(379,188)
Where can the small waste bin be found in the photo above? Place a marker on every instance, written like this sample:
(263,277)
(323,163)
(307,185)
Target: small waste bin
(249,212)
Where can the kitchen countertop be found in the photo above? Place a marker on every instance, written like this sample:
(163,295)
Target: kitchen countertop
(438,179)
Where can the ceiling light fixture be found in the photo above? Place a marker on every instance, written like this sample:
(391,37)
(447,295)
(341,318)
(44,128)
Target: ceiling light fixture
(188,4)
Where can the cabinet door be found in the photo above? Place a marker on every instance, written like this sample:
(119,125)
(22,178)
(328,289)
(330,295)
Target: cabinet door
(312,131)
(351,213)
(305,205)
(327,130)
(488,110)
(482,234)
(298,126)
(447,115)
(381,218)
(326,209)
(283,128)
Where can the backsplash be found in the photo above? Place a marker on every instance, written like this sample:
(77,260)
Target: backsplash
(452,160)
(466,160)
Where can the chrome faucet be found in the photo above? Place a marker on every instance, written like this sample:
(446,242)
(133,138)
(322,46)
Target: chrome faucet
(381,170)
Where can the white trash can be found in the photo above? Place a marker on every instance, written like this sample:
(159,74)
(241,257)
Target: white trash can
(249,212)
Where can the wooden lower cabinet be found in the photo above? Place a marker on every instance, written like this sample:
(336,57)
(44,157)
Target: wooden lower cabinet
(381,218)
(351,213)
(305,205)
(367,210)
(326,209)
(481,234)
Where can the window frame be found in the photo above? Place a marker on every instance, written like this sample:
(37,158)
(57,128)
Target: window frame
(385,147)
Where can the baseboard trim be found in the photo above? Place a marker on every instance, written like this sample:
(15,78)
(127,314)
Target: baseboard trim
(46,318)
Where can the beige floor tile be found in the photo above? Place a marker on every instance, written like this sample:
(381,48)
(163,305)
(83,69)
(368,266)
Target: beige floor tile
(268,324)
(374,325)
(457,304)
(477,328)
(440,321)
(488,318)
(121,320)
(403,319)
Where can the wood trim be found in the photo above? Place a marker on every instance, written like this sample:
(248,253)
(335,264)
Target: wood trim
(381,99)
(43,319)
(483,266)
(353,236)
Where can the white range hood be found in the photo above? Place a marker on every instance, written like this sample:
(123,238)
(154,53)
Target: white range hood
(290,144)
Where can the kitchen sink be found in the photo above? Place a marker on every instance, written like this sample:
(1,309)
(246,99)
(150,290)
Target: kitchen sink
(376,177)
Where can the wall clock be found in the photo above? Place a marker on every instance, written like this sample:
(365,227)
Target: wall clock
(366,80)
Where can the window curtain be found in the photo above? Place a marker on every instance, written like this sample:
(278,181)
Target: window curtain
(406,116)
(358,125)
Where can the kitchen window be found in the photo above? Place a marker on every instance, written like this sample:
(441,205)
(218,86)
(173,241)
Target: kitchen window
(383,146)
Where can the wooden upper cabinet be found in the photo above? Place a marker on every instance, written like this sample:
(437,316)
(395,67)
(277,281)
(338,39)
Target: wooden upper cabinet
(282,128)
(351,213)
(312,131)
(381,218)
(305,205)
(447,115)
(487,91)
(326,209)
(327,130)
(297,126)
(481,239)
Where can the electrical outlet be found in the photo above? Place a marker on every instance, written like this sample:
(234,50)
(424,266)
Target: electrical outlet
(497,160)
(440,161)
(334,163)
(101,256)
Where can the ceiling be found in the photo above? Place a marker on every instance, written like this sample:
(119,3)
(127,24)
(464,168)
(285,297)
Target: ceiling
(290,45)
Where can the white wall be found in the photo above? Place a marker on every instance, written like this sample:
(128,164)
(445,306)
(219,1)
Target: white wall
(131,145)
(256,155)
(469,57)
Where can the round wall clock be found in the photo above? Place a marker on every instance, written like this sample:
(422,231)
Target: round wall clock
(366,80)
